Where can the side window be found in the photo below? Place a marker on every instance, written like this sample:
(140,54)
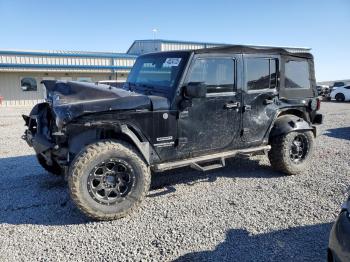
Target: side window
(218,74)
(297,74)
(28,84)
(261,73)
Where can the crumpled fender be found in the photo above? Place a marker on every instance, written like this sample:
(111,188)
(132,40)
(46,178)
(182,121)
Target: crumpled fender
(288,123)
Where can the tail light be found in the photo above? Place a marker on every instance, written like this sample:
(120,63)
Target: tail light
(314,104)
(318,104)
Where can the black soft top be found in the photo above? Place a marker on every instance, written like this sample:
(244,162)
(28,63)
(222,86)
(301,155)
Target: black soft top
(299,52)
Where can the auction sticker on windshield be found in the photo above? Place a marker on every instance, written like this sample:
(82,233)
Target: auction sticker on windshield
(172,61)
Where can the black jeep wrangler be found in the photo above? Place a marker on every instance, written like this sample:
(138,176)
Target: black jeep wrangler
(182,108)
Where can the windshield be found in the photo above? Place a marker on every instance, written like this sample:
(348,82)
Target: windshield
(158,72)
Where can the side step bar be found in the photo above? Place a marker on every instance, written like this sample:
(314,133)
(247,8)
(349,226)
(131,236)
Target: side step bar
(194,162)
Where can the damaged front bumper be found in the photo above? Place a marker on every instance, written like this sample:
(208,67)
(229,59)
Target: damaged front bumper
(33,137)
(42,135)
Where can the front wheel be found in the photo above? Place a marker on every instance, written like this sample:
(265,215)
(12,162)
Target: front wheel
(108,180)
(291,153)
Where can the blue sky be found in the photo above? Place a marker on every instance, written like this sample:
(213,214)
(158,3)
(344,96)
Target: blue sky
(112,25)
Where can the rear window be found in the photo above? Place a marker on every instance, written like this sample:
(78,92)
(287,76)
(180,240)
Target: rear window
(261,73)
(297,74)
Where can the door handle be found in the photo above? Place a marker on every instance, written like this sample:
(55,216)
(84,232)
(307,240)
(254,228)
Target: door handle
(232,105)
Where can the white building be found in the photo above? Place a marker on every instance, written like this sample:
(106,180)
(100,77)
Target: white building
(22,71)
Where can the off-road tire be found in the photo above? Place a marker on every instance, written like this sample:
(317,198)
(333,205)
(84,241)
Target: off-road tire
(279,154)
(54,169)
(89,157)
(340,97)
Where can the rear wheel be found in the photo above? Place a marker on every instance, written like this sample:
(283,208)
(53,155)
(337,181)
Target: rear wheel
(340,97)
(108,180)
(291,153)
(54,169)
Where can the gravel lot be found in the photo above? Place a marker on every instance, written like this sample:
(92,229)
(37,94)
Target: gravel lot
(243,212)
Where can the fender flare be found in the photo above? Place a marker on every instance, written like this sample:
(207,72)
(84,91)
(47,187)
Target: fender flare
(144,147)
(289,123)
(89,136)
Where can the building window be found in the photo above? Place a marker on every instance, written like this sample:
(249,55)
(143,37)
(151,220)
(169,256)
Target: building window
(297,74)
(218,74)
(84,79)
(28,84)
(261,73)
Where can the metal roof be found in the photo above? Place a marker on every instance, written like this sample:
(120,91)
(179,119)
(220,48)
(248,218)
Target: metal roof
(179,42)
(63,66)
(64,53)
(14,60)
(174,42)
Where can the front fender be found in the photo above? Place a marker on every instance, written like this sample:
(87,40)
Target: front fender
(119,131)
(289,123)
(144,147)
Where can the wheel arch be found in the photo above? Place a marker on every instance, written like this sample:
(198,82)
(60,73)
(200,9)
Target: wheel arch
(288,122)
(294,112)
(124,132)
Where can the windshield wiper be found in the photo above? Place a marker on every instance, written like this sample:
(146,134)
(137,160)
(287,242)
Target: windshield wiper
(145,86)
(130,86)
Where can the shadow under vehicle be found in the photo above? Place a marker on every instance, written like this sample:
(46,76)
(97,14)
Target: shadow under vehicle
(182,108)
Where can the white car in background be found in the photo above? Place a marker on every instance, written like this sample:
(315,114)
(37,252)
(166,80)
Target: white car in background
(341,93)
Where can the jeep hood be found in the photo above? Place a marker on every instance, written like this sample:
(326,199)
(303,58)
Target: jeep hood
(70,100)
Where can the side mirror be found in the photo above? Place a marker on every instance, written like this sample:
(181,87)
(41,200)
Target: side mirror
(195,90)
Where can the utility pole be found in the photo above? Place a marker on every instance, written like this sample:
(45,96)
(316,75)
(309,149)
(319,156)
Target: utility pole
(155,32)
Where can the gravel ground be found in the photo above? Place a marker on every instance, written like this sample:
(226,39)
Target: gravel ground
(243,212)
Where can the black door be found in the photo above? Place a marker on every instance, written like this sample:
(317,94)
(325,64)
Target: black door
(213,122)
(259,99)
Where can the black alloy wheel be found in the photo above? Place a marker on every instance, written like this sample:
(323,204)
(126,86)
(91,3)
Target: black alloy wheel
(110,181)
(299,148)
